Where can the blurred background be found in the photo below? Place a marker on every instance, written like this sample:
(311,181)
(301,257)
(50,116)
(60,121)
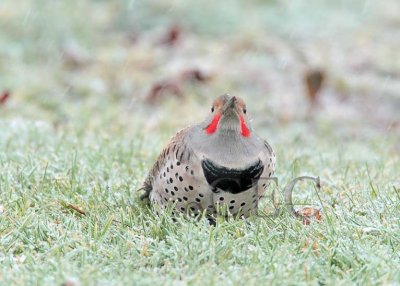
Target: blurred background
(129,67)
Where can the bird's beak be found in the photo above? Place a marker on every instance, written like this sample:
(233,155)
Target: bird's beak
(230,105)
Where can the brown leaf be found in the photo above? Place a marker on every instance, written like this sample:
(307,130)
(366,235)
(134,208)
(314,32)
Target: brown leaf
(308,215)
(4,96)
(313,80)
(174,85)
(77,209)
(196,75)
(172,36)
(164,87)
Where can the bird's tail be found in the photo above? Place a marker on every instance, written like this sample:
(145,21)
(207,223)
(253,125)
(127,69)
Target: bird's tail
(147,189)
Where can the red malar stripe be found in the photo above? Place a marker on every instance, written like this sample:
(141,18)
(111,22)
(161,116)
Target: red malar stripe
(213,125)
(243,127)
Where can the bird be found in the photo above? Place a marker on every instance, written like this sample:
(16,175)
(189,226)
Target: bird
(219,166)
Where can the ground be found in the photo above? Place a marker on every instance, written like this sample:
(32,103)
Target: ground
(84,120)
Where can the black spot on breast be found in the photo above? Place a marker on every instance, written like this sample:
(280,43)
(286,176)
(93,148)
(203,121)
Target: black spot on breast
(178,163)
(232,180)
(221,198)
(186,189)
(198,200)
(180,179)
(173,193)
(231,207)
(242,204)
(191,188)
(176,188)
(201,195)
(166,190)
(232,201)
(167,169)
(185,198)
(179,200)
(170,180)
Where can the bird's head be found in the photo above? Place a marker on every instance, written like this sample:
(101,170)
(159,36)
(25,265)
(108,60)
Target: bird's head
(228,114)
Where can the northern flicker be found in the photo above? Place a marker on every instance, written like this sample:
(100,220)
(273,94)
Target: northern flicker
(217,164)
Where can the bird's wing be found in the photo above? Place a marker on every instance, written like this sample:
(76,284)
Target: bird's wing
(270,161)
(176,147)
(268,158)
(269,148)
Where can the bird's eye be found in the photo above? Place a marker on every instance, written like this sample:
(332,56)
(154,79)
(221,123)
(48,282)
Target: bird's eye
(212,109)
(244,110)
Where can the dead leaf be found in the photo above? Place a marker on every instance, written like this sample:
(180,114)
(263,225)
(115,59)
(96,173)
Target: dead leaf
(309,214)
(163,88)
(77,209)
(313,80)
(196,75)
(5,95)
(172,36)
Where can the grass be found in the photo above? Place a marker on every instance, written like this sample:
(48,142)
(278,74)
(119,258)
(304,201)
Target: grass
(121,241)
(85,136)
